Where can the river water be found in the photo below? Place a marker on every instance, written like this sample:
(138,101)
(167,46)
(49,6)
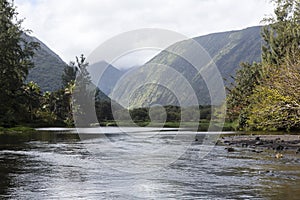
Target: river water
(63,165)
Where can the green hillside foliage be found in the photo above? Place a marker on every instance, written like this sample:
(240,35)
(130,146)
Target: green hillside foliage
(48,69)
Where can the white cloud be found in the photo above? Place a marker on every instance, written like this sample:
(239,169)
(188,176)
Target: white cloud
(73,27)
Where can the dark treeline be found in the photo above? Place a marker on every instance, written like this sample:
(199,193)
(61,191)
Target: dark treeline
(171,114)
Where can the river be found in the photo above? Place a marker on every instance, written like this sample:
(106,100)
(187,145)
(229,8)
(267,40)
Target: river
(63,165)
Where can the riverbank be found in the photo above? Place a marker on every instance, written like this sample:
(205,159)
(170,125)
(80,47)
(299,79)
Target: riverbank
(259,142)
(17,129)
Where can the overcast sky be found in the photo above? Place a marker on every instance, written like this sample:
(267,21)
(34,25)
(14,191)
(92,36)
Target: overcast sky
(73,27)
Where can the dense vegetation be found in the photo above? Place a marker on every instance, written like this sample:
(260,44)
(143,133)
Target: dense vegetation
(170,114)
(266,95)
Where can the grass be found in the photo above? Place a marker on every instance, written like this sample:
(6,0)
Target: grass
(17,129)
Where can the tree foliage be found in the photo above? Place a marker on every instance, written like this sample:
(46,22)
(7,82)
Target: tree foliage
(271,110)
(282,34)
(247,78)
(69,74)
(276,104)
(266,97)
(15,62)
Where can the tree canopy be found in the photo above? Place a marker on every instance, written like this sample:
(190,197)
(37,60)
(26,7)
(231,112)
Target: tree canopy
(15,62)
(282,33)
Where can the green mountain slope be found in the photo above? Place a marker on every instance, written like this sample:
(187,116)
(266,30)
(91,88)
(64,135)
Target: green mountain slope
(227,49)
(48,67)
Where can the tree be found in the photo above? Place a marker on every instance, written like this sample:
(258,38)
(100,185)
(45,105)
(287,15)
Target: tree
(32,96)
(59,103)
(76,96)
(44,114)
(15,62)
(83,96)
(282,34)
(69,74)
(83,79)
(276,104)
(247,78)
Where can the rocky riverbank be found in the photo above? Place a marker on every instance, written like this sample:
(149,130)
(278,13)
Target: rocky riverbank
(258,143)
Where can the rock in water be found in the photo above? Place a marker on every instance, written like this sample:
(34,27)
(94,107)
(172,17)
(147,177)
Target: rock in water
(230,149)
(278,155)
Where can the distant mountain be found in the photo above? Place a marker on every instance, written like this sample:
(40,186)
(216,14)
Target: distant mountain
(109,75)
(227,49)
(48,68)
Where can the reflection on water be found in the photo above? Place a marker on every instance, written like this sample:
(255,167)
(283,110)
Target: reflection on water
(53,165)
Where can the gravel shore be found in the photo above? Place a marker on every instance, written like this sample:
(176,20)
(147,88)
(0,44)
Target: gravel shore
(278,143)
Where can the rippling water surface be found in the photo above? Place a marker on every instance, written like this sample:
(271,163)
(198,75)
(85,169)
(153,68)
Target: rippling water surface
(60,165)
